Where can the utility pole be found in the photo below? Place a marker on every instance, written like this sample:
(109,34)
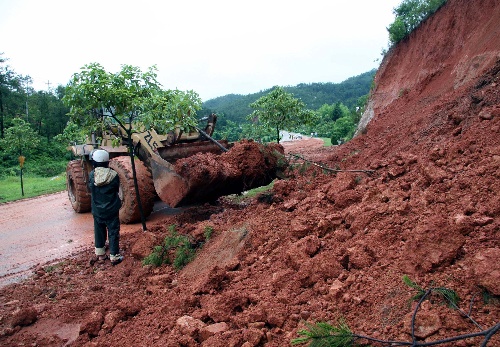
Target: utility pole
(48,86)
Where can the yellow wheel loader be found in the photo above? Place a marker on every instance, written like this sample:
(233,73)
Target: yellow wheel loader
(156,174)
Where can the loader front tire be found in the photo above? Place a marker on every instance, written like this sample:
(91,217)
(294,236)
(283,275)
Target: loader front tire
(129,212)
(78,192)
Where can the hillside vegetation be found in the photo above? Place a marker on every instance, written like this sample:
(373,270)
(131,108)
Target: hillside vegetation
(235,107)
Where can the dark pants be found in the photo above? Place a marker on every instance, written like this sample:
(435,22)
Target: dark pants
(113,227)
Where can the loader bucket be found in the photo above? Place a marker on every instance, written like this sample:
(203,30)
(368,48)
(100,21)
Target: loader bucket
(169,186)
(206,176)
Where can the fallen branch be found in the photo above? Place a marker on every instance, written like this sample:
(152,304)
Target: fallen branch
(368,172)
(324,334)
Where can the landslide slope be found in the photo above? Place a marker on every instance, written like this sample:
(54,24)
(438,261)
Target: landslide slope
(322,245)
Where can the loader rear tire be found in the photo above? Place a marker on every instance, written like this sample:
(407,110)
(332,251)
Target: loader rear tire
(129,212)
(78,192)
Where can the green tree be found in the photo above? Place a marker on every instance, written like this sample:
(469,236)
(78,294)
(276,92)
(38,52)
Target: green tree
(227,130)
(325,112)
(20,140)
(10,86)
(59,111)
(326,117)
(72,133)
(47,113)
(343,129)
(397,31)
(409,15)
(258,133)
(279,110)
(166,110)
(339,111)
(129,96)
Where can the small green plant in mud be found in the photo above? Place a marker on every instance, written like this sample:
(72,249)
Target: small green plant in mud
(249,194)
(358,179)
(281,163)
(53,267)
(449,296)
(175,250)
(50,268)
(323,334)
(489,298)
(208,232)
(184,254)
(304,167)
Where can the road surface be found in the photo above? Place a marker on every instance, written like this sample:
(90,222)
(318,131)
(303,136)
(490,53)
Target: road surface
(44,229)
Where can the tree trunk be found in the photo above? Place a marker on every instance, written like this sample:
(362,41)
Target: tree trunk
(136,185)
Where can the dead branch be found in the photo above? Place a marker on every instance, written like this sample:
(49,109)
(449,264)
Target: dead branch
(368,172)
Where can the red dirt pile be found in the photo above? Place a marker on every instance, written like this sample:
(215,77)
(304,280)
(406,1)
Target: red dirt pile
(322,245)
(245,166)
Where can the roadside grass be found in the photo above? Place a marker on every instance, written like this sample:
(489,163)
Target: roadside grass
(327,142)
(10,187)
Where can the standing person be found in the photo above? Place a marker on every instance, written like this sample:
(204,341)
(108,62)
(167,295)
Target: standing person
(104,184)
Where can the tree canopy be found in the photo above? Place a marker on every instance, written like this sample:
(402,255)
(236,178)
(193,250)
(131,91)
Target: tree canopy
(409,15)
(19,139)
(279,110)
(128,96)
(10,82)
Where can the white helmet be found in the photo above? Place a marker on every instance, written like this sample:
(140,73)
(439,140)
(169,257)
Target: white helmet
(99,156)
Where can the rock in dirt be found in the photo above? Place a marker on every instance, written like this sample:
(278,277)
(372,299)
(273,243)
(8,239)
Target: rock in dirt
(211,330)
(486,267)
(24,316)
(189,326)
(92,324)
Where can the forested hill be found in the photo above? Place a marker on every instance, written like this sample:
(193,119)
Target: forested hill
(314,95)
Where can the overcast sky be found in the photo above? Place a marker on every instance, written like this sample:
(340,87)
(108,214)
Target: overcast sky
(214,47)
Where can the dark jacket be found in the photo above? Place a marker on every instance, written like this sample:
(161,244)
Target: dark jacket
(105,200)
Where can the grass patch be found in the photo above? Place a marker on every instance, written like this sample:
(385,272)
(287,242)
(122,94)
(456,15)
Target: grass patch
(176,250)
(327,142)
(253,192)
(237,198)
(10,187)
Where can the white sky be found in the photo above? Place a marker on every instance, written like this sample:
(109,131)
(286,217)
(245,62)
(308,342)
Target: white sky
(214,47)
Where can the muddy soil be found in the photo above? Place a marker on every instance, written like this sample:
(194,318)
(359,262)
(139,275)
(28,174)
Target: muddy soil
(208,176)
(47,229)
(322,245)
